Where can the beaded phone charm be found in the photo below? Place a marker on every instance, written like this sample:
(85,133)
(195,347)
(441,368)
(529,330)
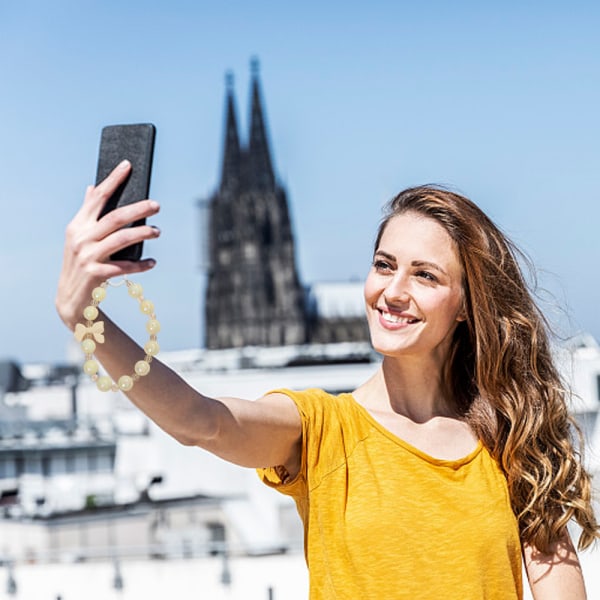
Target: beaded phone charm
(93,332)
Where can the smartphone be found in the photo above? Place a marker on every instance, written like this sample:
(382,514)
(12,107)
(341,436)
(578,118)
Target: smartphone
(134,142)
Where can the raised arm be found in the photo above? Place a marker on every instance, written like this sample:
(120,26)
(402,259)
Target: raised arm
(265,432)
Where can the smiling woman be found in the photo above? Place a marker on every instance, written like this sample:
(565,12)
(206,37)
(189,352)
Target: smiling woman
(497,371)
(435,477)
(414,288)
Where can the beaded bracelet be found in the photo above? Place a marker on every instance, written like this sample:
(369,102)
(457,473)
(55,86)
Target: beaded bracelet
(93,332)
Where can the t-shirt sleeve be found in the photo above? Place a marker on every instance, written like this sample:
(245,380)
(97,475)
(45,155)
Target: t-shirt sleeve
(310,405)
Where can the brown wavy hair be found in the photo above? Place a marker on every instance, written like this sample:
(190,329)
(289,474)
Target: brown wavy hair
(502,376)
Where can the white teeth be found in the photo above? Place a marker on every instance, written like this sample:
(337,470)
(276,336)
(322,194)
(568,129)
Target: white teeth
(397,319)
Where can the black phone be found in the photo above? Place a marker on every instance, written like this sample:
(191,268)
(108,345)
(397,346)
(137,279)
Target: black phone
(134,142)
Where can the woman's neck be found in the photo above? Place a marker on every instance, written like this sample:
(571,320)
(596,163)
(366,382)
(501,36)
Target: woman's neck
(410,388)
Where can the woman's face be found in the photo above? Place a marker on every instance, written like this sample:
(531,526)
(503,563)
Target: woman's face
(414,292)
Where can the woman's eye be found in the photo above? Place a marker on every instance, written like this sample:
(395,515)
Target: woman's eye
(427,276)
(382,265)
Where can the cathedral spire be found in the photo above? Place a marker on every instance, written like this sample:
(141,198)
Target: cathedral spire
(230,171)
(261,168)
(254,296)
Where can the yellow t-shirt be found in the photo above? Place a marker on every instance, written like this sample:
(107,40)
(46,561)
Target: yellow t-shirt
(384,521)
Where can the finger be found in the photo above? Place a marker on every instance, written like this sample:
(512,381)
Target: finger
(96,196)
(123,238)
(116,219)
(120,268)
(127,267)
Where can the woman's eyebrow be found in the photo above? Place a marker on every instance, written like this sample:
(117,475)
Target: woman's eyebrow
(385,255)
(429,265)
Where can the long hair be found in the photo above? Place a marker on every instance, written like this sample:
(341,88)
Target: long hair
(501,374)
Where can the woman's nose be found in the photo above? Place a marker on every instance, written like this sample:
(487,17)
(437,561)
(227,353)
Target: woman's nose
(398,289)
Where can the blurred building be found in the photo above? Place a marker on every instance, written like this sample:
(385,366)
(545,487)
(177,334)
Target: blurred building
(254,294)
(64,471)
(86,476)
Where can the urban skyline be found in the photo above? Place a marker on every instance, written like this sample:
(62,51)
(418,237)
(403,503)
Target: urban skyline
(497,102)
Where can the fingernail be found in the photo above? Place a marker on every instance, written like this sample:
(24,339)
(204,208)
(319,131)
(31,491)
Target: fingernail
(124,164)
(156,230)
(154,205)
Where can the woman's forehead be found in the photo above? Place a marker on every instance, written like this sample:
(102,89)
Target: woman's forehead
(411,230)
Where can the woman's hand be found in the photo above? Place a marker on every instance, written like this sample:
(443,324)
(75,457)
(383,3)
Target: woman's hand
(89,243)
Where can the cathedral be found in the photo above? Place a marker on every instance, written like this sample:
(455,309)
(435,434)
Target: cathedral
(254,296)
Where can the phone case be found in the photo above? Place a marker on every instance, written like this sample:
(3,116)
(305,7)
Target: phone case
(135,143)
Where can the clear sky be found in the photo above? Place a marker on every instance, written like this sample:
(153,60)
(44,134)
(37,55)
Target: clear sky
(500,101)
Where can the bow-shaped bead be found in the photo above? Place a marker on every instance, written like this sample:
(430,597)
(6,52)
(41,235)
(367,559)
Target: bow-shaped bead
(96,330)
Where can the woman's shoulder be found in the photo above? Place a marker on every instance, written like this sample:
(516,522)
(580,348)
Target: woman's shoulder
(317,404)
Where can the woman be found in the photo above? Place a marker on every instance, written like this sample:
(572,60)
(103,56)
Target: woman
(437,476)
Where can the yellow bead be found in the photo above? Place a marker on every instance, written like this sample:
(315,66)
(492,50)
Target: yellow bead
(153,326)
(88,346)
(104,383)
(90,312)
(147,307)
(90,367)
(135,290)
(142,368)
(99,294)
(125,383)
(151,348)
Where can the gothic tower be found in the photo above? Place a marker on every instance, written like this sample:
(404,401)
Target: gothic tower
(254,296)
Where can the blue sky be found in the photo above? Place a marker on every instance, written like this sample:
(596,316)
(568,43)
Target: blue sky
(498,100)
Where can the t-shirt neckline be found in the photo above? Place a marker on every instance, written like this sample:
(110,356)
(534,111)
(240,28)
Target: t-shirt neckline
(454,463)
